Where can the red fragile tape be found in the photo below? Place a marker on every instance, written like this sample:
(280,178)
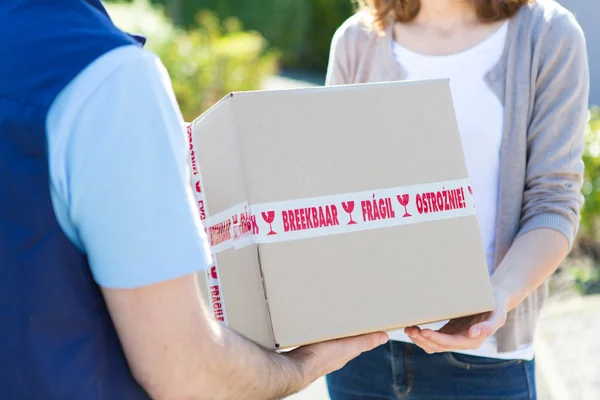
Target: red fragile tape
(246,224)
(213,285)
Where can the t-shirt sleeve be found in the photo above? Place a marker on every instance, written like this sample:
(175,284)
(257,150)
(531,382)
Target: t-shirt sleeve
(128,183)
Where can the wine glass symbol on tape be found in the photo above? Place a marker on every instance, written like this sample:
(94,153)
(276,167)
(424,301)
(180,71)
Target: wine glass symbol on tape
(269,217)
(348,206)
(403,200)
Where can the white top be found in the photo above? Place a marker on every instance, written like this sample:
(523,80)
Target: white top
(119,177)
(480,120)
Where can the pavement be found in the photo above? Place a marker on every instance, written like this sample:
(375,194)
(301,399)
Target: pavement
(568,348)
(568,339)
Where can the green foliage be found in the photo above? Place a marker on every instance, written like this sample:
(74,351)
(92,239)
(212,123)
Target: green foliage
(327,16)
(591,186)
(586,280)
(300,29)
(205,62)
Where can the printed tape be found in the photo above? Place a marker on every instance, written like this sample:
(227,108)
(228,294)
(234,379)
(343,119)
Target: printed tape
(213,285)
(245,224)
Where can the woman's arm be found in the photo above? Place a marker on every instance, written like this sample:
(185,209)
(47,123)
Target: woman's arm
(531,260)
(552,198)
(555,139)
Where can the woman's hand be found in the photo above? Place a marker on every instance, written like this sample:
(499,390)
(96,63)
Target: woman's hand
(467,333)
(531,260)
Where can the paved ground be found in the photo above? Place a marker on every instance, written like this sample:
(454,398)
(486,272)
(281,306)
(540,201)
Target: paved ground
(568,343)
(569,338)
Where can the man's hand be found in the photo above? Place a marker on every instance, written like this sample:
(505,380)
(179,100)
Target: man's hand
(467,333)
(320,359)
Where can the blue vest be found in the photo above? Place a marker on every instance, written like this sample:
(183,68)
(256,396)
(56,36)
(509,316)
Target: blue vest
(57,340)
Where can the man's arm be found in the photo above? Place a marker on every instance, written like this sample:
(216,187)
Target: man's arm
(176,351)
(119,165)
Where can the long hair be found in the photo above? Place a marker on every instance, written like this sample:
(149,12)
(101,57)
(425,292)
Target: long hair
(406,10)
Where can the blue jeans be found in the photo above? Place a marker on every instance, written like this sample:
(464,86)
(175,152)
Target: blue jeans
(403,371)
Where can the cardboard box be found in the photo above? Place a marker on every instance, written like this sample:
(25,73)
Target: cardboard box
(337,211)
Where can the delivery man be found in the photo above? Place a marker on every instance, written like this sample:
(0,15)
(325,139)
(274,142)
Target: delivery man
(99,235)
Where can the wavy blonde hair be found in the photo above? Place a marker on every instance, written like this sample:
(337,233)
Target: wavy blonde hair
(406,10)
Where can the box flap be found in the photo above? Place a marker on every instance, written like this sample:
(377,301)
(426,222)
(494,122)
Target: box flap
(235,282)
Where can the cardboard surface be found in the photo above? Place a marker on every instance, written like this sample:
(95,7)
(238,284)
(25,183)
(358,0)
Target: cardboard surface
(220,173)
(285,146)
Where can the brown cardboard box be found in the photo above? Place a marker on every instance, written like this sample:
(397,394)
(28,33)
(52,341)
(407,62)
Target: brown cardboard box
(307,191)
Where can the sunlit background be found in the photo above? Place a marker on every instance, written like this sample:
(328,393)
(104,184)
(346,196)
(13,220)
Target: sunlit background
(212,47)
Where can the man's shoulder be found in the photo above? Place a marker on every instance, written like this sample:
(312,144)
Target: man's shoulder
(106,70)
(41,62)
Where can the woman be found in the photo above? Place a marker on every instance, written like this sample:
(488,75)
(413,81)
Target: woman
(519,79)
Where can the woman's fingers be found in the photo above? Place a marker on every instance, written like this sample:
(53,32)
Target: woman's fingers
(458,341)
(460,334)
(463,336)
(425,340)
(412,330)
(430,346)
(427,345)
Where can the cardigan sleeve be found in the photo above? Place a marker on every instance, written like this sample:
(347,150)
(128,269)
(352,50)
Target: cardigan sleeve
(555,139)
(338,70)
(352,36)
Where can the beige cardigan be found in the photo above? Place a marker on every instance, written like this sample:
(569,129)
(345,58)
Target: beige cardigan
(542,79)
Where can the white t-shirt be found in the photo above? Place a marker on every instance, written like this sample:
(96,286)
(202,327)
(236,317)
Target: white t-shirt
(480,116)
(119,177)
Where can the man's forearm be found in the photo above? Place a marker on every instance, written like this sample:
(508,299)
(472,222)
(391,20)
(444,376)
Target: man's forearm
(243,370)
(177,351)
(531,260)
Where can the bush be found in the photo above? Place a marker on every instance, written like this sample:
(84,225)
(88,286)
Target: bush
(586,281)
(206,62)
(591,187)
(583,267)
(327,16)
(284,23)
(300,29)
